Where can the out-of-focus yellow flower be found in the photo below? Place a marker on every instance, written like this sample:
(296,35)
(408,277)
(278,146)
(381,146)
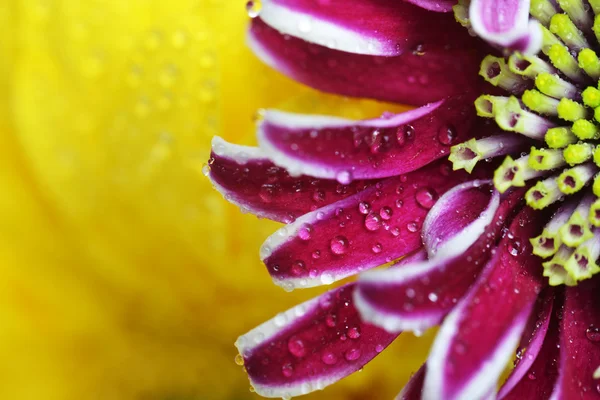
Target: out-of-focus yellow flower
(122,274)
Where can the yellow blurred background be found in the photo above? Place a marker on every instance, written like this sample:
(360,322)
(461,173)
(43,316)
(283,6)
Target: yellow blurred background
(123,275)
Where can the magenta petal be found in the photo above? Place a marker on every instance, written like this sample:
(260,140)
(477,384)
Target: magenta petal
(477,338)
(310,346)
(371,228)
(246,177)
(580,342)
(541,377)
(434,5)
(380,27)
(506,23)
(334,148)
(531,341)
(414,388)
(419,295)
(415,77)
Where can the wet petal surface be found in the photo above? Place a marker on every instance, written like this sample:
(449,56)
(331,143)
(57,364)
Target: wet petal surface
(371,228)
(415,77)
(310,346)
(246,177)
(333,148)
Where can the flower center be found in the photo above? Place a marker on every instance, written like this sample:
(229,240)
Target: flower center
(553,99)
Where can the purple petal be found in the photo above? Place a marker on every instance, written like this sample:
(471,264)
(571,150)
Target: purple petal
(506,23)
(334,148)
(477,338)
(371,228)
(580,342)
(417,77)
(383,27)
(434,5)
(246,177)
(414,388)
(419,295)
(310,346)
(543,373)
(532,341)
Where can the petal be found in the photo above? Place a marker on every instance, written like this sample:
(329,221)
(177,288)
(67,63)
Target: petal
(334,148)
(434,5)
(532,341)
(477,338)
(310,346)
(506,23)
(415,77)
(246,177)
(580,342)
(383,27)
(371,228)
(414,387)
(543,374)
(419,295)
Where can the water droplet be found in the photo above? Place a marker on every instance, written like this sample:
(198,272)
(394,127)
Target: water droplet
(328,358)
(239,360)
(404,134)
(377,247)
(531,376)
(280,319)
(298,268)
(266,193)
(327,278)
(344,177)
(316,255)
(399,203)
(318,196)
(379,348)
(330,320)
(447,135)
(287,370)
(364,207)
(339,245)
(352,354)
(354,333)
(253,8)
(432,297)
(296,347)
(386,213)
(372,222)
(305,232)
(412,227)
(593,333)
(426,197)
(395,231)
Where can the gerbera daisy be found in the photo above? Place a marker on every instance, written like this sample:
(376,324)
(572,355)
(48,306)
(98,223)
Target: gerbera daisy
(502,253)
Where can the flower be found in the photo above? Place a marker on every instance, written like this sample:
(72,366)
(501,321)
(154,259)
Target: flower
(476,245)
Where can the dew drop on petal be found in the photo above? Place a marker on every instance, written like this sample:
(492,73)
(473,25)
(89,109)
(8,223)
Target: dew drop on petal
(296,347)
(352,354)
(379,348)
(372,222)
(287,370)
(298,268)
(327,278)
(412,227)
(305,232)
(344,177)
(339,245)
(364,207)
(426,197)
(377,247)
(593,333)
(328,358)
(253,8)
(447,135)
(386,213)
(239,360)
(354,333)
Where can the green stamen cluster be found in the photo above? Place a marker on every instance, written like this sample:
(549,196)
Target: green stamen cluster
(553,98)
